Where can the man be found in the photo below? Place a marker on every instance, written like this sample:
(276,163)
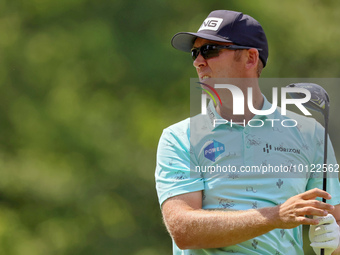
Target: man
(241,212)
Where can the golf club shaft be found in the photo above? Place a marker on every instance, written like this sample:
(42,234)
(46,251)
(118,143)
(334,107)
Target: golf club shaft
(324,179)
(324,184)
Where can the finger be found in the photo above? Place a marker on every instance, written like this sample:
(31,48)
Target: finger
(314,193)
(312,211)
(329,219)
(329,244)
(322,205)
(322,229)
(306,221)
(326,237)
(315,204)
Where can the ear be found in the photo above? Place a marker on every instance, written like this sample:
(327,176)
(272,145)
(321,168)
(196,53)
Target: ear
(253,59)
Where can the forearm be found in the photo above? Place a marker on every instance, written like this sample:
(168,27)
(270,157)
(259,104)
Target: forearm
(194,228)
(198,229)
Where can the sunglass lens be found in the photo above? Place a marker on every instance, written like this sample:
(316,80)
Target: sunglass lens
(194,53)
(209,51)
(205,51)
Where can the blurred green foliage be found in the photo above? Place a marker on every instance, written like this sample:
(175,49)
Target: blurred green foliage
(86,88)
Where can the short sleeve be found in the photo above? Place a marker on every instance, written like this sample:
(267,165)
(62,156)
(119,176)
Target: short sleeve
(316,180)
(173,175)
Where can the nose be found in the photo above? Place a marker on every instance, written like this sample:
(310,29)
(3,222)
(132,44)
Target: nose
(199,61)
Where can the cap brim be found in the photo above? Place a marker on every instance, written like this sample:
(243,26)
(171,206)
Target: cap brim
(184,40)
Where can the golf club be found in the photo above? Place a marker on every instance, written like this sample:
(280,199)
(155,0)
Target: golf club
(319,102)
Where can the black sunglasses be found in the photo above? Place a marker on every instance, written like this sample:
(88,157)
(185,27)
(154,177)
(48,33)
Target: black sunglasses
(213,50)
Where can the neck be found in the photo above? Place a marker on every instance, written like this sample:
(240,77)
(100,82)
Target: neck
(226,109)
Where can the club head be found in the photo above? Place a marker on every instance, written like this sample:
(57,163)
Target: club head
(319,98)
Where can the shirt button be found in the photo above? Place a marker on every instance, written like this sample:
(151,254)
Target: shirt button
(246,131)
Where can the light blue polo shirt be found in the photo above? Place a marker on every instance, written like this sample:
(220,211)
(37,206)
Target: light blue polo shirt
(271,159)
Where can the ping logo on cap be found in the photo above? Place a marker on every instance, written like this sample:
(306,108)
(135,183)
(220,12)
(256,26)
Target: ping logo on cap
(211,24)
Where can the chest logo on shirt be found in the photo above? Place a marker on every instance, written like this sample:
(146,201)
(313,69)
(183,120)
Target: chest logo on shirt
(213,150)
(280,148)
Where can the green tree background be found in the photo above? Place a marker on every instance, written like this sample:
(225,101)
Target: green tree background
(86,88)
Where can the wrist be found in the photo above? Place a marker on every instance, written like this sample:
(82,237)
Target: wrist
(272,216)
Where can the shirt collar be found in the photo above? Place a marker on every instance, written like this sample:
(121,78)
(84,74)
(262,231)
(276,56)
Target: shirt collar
(213,115)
